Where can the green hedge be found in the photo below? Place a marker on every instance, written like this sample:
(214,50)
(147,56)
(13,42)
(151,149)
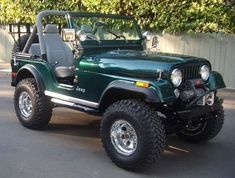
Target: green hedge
(156,15)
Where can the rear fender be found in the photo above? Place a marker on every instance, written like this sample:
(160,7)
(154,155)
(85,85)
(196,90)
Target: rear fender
(28,71)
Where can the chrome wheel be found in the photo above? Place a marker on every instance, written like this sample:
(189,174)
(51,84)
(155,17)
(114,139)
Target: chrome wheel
(123,137)
(25,105)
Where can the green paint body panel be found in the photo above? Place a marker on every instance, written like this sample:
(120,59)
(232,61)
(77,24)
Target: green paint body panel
(50,83)
(46,74)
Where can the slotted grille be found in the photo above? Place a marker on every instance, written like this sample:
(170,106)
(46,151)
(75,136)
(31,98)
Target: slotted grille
(191,71)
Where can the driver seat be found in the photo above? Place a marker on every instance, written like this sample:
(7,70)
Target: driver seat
(59,54)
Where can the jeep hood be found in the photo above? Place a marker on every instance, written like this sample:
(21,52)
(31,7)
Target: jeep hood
(142,64)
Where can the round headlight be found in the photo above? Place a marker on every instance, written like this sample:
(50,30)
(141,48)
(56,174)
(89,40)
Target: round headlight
(176,77)
(205,72)
(81,35)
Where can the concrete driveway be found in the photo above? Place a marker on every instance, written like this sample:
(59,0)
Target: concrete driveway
(70,147)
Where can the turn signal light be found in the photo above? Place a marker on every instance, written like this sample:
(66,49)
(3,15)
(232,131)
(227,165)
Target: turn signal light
(142,84)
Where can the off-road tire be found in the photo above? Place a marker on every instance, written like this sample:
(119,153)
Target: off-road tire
(41,106)
(212,127)
(150,133)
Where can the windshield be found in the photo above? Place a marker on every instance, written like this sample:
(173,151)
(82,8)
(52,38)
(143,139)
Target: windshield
(107,28)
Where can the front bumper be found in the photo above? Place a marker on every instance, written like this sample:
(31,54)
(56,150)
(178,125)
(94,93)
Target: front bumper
(195,92)
(199,110)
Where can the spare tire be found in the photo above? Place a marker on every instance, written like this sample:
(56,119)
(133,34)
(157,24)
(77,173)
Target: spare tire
(20,44)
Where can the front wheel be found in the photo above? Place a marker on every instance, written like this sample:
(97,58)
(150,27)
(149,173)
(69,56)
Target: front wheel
(205,130)
(132,134)
(33,108)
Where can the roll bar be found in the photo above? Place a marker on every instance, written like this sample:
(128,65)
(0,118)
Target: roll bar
(38,29)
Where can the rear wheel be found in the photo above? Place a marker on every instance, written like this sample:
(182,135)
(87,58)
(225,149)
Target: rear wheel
(33,108)
(205,130)
(132,134)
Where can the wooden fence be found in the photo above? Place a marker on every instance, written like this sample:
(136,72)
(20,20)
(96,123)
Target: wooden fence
(219,49)
(6,44)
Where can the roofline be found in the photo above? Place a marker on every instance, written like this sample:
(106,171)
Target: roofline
(92,14)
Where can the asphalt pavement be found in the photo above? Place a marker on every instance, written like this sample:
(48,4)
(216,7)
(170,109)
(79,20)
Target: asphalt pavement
(70,147)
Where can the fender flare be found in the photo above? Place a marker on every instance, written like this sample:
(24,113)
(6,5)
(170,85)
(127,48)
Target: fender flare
(37,76)
(215,81)
(148,94)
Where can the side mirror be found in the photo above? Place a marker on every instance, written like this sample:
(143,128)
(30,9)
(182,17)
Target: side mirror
(147,35)
(68,34)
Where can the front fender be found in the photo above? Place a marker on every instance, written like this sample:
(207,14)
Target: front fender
(157,92)
(129,87)
(216,81)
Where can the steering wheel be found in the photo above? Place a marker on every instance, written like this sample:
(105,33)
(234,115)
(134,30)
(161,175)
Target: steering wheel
(119,36)
(116,36)
(103,25)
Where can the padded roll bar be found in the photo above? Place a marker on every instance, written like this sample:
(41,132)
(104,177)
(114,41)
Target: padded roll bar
(39,28)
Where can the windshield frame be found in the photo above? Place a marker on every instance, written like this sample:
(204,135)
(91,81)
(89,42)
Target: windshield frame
(71,16)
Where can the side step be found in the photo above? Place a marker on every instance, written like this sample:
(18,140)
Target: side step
(62,103)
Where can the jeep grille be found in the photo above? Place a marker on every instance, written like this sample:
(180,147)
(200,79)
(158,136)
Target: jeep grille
(190,71)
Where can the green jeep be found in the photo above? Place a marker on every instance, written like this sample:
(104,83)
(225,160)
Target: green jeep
(99,64)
